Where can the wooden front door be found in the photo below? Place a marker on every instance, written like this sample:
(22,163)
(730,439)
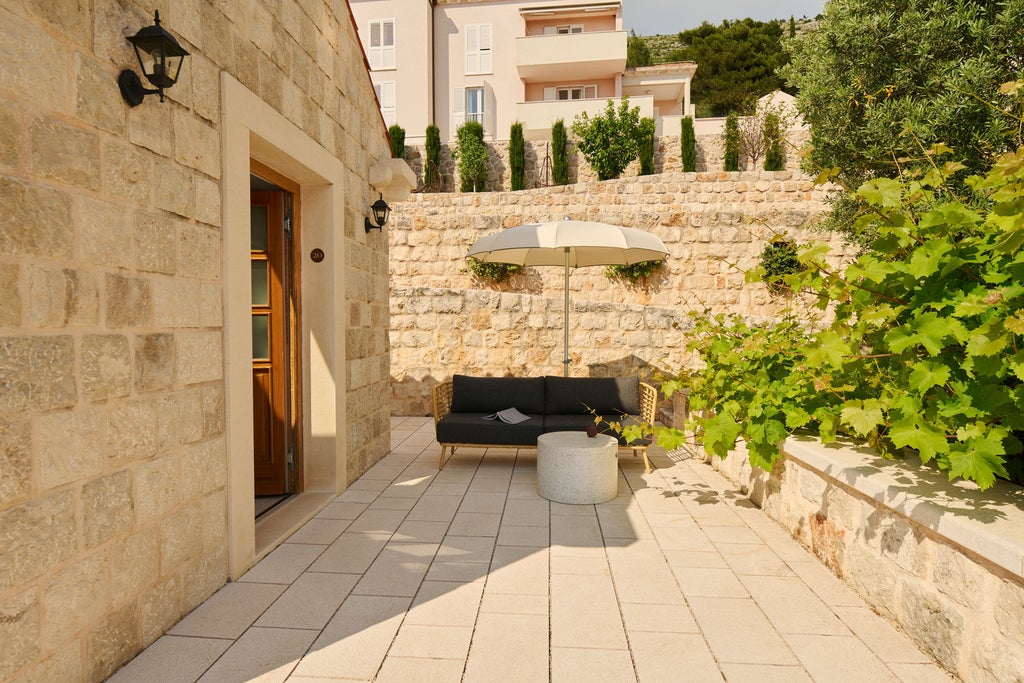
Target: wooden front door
(274,433)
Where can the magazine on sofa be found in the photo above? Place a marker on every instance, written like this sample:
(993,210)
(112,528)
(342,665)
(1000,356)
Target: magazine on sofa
(509,415)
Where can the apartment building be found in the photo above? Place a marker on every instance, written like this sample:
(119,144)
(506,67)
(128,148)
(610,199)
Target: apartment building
(499,61)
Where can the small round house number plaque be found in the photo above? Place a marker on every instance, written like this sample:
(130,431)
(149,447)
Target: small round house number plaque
(317,255)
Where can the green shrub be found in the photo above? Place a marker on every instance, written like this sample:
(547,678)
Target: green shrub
(778,259)
(397,135)
(559,154)
(645,145)
(732,142)
(634,273)
(925,347)
(517,156)
(609,140)
(496,272)
(472,157)
(688,145)
(432,165)
(773,160)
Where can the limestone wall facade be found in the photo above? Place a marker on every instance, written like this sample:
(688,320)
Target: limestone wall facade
(113,505)
(942,561)
(444,320)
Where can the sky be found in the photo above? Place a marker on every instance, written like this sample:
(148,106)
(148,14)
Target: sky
(649,17)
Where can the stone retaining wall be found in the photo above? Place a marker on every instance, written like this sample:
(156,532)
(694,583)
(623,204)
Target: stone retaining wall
(444,320)
(945,562)
(709,147)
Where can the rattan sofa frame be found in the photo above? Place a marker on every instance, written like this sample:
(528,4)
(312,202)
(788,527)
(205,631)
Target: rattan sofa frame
(441,396)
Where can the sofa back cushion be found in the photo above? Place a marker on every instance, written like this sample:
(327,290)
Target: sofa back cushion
(491,394)
(605,395)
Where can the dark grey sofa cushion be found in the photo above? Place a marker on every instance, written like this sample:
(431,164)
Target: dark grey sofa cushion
(472,428)
(579,423)
(491,394)
(605,395)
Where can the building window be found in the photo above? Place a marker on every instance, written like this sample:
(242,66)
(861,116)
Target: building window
(478,49)
(563,30)
(386,97)
(475,105)
(576,92)
(382,44)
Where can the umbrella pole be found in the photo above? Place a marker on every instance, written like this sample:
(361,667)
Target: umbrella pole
(565,358)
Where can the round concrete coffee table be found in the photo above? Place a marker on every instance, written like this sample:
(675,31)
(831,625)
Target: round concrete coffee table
(575,468)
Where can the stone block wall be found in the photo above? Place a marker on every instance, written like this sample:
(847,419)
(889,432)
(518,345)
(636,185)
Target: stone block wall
(710,158)
(112,418)
(444,320)
(942,561)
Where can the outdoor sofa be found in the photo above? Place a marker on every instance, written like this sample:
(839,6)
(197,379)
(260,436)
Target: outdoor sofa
(553,404)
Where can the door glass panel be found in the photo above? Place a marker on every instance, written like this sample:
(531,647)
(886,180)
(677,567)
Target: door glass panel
(260,336)
(260,290)
(258,228)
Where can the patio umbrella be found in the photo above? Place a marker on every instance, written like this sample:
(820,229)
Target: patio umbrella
(570,244)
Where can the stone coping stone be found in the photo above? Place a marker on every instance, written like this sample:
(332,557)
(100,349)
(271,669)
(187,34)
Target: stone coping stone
(989,523)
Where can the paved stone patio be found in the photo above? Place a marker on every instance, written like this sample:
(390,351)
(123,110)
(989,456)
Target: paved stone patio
(468,575)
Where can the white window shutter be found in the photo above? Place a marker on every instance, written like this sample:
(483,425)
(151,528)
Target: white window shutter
(387,102)
(490,111)
(472,49)
(551,30)
(550,94)
(485,49)
(590,92)
(387,56)
(458,108)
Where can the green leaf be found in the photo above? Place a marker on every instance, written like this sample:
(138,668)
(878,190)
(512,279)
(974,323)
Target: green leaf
(720,434)
(928,374)
(979,459)
(668,438)
(925,439)
(862,416)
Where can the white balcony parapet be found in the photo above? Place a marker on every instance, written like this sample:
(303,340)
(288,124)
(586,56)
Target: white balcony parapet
(537,117)
(575,56)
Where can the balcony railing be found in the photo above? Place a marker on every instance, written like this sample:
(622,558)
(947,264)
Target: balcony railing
(572,57)
(537,117)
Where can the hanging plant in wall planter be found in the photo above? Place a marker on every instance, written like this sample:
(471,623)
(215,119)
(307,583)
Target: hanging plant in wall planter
(633,274)
(495,272)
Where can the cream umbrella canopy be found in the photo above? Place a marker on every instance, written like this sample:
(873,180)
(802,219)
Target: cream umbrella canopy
(570,244)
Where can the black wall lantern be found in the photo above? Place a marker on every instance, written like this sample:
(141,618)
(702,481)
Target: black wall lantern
(160,57)
(381,211)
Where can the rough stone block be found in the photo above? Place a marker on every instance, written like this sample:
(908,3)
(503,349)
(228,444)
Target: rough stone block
(113,642)
(150,127)
(40,534)
(174,189)
(156,239)
(873,578)
(200,356)
(196,143)
(63,665)
(1010,610)
(94,91)
(134,562)
(105,231)
(59,297)
(107,508)
(19,632)
(896,538)
(958,577)
(211,305)
(128,301)
(63,152)
(994,659)
(208,201)
(213,409)
(10,303)
(214,520)
(127,170)
(15,461)
(936,624)
(157,488)
(36,220)
(70,445)
(181,537)
(42,73)
(161,608)
(179,418)
(73,599)
(131,431)
(199,252)
(105,366)
(176,302)
(10,135)
(202,577)
(205,464)
(154,361)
